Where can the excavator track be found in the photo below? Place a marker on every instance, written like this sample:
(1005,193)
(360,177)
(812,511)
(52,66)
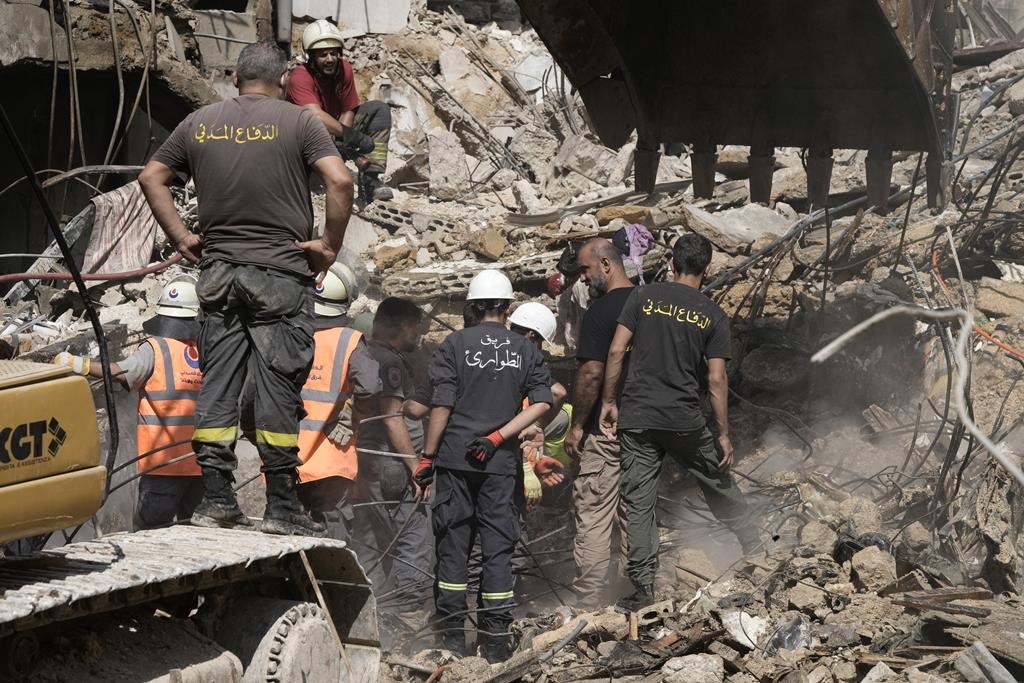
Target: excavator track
(125,570)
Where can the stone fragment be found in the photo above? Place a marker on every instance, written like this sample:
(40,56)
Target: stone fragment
(391,253)
(587,158)
(1015,97)
(743,628)
(605,648)
(845,671)
(880,673)
(628,212)
(537,147)
(503,179)
(489,243)
(449,175)
(526,196)
(917,676)
(423,257)
(694,669)
(606,622)
(862,513)
(806,598)
(999,299)
(916,536)
(818,537)
(873,569)
(360,235)
(734,230)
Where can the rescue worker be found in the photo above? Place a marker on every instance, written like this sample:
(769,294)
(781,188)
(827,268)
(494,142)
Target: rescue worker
(165,371)
(326,86)
(599,511)
(397,328)
(673,329)
(342,382)
(250,158)
(479,378)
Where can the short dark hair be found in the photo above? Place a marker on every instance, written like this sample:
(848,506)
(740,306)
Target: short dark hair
(691,254)
(393,313)
(603,248)
(263,61)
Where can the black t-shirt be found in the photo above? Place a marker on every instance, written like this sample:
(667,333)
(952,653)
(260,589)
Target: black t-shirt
(250,157)
(396,381)
(596,332)
(483,373)
(675,328)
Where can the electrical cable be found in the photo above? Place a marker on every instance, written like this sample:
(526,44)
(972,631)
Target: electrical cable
(94,319)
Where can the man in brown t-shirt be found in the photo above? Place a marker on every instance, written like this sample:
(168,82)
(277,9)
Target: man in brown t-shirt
(250,158)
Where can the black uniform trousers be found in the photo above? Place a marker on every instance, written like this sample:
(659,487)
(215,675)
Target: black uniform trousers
(467,504)
(256,322)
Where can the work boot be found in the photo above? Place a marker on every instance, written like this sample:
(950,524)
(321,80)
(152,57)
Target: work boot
(285,515)
(219,507)
(371,187)
(496,649)
(642,597)
(454,640)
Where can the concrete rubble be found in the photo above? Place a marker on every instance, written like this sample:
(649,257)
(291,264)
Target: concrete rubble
(892,543)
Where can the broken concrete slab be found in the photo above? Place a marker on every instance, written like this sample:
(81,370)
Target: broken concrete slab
(999,299)
(881,673)
(818,537)
(862,513)
(489,243)
(700,668)
(608,622)
(590,160)
(733,230)
(25,34)
(873,569)
(627,212)
(354,17)
(361,235)
(449,175)
(392,253)
(223,54)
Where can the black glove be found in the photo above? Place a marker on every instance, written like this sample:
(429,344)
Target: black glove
(354,144)
(424,474)
(482,448)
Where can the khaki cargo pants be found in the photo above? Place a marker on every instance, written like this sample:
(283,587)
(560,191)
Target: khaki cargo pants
(600,518)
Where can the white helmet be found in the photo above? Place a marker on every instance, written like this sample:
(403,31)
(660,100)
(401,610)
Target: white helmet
(490,284)
(321,34)
(179,300)
(535,316)
(333,293)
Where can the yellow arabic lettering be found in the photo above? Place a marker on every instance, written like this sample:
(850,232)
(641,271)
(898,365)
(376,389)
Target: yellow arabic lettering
(253,133)
(681,315)
(696,317)
(240,136)
(201,133)
(648,307)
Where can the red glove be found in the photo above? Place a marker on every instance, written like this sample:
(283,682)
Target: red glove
(424,473)
(483,447)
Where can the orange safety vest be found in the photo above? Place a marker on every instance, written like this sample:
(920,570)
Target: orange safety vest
(323,396)
(167,407)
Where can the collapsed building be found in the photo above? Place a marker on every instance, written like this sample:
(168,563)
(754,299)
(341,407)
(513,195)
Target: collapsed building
(892,534)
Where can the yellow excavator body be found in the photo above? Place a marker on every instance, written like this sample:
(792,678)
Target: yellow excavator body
(50,472)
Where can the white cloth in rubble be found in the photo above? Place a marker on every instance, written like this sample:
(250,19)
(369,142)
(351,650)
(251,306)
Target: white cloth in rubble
(123,233)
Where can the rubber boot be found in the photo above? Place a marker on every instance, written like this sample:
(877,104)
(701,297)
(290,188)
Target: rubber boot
(496,649)
(285,515)
(371,187)
(641,597)
(219,507)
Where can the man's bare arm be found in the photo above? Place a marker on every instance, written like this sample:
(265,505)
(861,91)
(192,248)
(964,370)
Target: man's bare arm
(587,390)
(322,252)
(398,434)
(333,125)
(435,428)
(347,118)
(613,367)
(155,180)
(718,391)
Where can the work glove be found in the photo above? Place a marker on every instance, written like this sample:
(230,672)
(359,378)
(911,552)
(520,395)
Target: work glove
(354,144)
(78,364)
(424,473)
(342,432)
(482,448)
(531,486)
(549,470)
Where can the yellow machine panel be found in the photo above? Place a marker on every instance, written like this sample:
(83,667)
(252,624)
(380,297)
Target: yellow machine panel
(44,505)
(47,427)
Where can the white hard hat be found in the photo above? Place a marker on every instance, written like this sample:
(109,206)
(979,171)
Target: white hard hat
(321,34)
(179,300)
(333,293)
(535,316)
(490,284)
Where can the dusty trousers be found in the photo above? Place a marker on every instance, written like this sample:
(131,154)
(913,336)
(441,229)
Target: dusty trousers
(467,504)
(256,322)
(164,499)
(373,118)
(642,454)
(600,517)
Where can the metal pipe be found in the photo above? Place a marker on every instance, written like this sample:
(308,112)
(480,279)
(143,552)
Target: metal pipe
(220,37)
(283,23)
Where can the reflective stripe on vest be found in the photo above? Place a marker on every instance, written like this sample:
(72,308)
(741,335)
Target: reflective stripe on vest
(167,408)
(323,397)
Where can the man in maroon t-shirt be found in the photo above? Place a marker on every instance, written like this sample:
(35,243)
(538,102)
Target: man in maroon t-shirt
(325,85)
